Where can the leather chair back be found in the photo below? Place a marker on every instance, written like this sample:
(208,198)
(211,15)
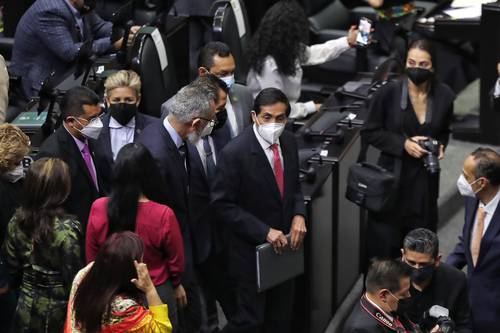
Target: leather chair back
(158,81)
(225,28)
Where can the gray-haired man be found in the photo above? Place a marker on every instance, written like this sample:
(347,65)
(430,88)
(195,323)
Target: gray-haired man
(433,283)
(191,115)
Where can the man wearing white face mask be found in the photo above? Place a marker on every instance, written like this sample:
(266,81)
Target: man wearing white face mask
(257,198)
(216,58)
(191,115)
(478,246)
(73,142)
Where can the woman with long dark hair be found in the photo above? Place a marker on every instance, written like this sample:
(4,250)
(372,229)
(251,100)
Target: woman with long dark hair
(409,122)
(279,48)
(42,248)
(111,293)
(133,206)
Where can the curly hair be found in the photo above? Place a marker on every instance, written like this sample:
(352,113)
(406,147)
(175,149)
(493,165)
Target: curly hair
(283,34)
(14,145)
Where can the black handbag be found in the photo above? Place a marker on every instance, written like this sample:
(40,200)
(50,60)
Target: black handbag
(372,187)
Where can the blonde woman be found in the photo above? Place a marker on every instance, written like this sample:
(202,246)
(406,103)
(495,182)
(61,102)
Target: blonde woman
(122,123)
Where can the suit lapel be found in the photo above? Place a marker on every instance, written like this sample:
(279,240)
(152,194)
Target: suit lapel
(175,152)
(70,147)
(262,163)
(237,111)
(490,234)
(471,213)
(289,177)
(139,125)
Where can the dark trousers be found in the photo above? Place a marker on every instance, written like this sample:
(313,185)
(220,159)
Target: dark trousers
(214,283)
(166,293)
(266,312)
(190,316)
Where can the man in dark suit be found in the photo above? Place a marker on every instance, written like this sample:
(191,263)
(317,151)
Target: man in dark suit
(73,142)
(257,196)
(387,287)
(479,244)
(191,115)
(208,239)
(216,58)
(434,283)
(123,123)
(51,35)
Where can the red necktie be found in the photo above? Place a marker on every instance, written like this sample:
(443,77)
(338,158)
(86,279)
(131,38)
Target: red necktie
(278,169)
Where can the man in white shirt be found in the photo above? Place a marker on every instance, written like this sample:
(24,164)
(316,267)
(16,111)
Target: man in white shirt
(216,58)
(256,197)
(479,244)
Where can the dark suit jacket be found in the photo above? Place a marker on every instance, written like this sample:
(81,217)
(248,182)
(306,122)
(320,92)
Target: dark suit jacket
(246,198)
(383,126)
(47,39)
(207,237)
(61,144)
(360,321)
(242,102)
(448,288)
(175,180)
(484,288)
(103,152)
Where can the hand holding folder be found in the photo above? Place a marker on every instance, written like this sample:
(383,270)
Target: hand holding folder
(274,269)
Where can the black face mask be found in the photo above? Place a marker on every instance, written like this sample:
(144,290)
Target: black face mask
(122,112)
(221,119)
(419,75)
(404,305)
(88,6)
(420,275)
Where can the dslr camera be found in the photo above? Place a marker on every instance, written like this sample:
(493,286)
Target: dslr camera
(440,316)
(431,160)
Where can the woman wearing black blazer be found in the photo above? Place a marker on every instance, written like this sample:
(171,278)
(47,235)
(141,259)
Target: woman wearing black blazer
(402,113)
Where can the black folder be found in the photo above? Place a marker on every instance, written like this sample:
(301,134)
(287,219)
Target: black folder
(274,269)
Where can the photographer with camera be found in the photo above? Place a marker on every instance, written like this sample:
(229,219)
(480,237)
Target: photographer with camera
(409,122)
(439,299)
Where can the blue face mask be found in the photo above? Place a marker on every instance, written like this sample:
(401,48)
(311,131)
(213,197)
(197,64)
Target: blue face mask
(229,80)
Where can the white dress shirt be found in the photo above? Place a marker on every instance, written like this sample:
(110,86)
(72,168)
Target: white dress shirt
(173,133)
(489,210)
(496,93)
(201,151)
(291,85)
(378,307)
(120,135)
(266,146)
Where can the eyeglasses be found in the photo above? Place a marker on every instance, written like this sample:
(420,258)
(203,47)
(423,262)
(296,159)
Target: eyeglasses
(99,116)
(211,122)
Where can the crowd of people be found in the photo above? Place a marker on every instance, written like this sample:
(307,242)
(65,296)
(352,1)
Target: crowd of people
(131,223)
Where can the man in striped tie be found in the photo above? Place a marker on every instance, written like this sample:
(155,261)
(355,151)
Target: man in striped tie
(479,244)
(257,198)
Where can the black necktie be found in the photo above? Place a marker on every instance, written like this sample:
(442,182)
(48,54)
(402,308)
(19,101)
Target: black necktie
(183,152)
(209,158)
